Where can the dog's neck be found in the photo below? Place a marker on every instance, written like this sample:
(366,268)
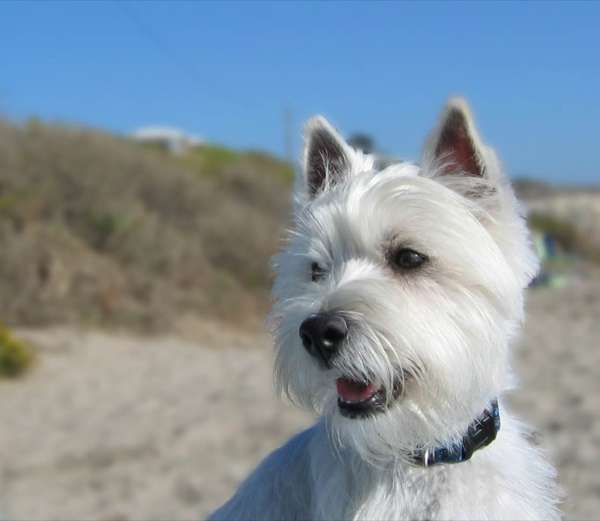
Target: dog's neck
(480,433)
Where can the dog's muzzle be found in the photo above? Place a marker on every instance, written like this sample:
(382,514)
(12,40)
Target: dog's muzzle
(322,335)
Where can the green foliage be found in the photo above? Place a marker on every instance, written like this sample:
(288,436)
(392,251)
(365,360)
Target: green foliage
(212,159)
(216,160)
(15,355)
(102,227)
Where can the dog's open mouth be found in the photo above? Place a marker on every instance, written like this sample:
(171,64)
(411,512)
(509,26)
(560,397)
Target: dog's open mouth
(360,399)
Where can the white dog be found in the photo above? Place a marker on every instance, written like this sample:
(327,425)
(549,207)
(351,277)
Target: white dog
(397,299)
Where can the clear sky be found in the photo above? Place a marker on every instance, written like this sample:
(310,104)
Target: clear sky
(227,71)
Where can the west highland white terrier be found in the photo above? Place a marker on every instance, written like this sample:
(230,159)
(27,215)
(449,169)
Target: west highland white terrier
(397,299)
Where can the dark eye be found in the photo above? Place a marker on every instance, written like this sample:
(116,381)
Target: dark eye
(317,272)
(407,259)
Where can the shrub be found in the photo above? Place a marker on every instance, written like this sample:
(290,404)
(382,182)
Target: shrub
(15,355)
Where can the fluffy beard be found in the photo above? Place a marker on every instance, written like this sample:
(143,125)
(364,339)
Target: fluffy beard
(448,369)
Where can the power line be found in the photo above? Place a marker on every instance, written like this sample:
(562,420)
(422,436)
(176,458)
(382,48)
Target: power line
(158,42)
(187,69)
(190,71)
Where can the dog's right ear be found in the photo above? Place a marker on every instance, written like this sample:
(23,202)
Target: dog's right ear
(327,157)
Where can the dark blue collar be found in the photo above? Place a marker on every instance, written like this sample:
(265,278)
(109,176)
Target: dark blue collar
(479,434)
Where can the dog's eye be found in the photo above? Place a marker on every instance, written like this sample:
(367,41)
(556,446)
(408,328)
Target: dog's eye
(317,272)
(407,259)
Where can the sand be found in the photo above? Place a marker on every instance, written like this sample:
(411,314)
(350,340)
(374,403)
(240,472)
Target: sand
(114,427)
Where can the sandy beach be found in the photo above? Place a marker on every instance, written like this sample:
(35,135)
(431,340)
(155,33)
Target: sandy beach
(115,427)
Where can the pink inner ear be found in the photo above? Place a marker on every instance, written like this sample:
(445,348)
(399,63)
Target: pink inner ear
(456,151)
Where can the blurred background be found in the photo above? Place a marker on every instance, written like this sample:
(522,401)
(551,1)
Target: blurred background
(147,152)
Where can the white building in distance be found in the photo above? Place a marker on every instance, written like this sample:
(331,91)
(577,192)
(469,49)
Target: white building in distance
(172,139)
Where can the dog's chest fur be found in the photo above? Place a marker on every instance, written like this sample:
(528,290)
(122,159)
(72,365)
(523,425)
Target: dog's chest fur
(368,493)
(342,486)
(310,479)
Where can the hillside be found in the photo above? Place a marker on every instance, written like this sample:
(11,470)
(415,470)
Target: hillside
(98,230)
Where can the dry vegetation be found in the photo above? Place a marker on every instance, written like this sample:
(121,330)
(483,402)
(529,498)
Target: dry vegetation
(95,229)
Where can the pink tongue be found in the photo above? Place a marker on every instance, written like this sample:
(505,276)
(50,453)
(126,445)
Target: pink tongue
(351,391)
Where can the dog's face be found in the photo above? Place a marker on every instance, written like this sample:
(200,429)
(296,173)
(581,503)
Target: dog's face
(399,290)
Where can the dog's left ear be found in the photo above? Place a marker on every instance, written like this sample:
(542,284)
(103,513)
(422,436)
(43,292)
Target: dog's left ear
(327,157)
(454,147)
(456,157)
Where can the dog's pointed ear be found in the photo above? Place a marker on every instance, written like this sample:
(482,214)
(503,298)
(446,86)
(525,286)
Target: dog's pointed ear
(327,157)
(454,147)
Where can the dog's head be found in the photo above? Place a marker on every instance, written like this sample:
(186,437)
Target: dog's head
(399,290)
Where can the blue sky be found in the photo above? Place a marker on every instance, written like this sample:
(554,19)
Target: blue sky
(227,71)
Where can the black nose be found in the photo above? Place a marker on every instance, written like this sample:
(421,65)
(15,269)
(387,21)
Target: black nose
(322,335)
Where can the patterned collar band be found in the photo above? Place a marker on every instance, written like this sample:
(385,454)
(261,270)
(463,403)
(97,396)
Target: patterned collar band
(479,434)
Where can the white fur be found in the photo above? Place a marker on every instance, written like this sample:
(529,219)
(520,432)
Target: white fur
(448,325)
